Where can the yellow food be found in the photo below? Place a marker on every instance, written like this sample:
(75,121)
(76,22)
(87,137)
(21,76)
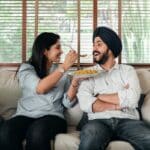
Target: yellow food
(86,71)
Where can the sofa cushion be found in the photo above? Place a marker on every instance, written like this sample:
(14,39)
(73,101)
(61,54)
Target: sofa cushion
(9,93)
(146,108)
(144,78)
(119,145)
(73,115)
(71,140)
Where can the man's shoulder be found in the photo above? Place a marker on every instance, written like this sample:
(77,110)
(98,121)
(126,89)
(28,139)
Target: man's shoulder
(126,67)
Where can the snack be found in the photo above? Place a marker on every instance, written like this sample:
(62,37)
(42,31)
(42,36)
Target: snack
(86,71)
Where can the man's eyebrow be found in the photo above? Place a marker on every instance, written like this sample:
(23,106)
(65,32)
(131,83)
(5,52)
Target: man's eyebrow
(99,41)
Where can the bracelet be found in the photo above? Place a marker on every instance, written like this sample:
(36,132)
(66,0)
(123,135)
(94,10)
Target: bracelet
(61,69)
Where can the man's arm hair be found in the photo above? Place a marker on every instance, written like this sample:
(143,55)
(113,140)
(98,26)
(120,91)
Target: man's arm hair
(112,98)
(109,98)
(100,106)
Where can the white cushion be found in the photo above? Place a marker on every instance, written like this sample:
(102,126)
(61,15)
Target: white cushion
(73,115)
(144,77)
(146,108)
(119,145)
(71,140)
(9,93)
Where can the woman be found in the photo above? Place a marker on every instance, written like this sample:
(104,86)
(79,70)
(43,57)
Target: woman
(45,93)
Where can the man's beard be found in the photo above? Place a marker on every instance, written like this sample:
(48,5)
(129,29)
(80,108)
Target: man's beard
(103,59)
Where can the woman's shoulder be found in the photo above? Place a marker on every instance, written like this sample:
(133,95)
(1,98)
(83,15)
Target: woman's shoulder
(25,66)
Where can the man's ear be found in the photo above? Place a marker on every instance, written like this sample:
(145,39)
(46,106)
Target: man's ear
(110,52)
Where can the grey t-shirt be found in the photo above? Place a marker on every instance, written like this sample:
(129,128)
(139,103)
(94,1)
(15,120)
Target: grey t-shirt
(36,105)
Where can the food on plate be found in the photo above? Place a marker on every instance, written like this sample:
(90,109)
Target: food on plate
(86,71)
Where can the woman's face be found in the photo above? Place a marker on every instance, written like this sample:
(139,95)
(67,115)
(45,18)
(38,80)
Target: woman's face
(54,53)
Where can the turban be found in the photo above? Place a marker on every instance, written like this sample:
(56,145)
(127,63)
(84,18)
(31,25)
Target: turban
(110,38)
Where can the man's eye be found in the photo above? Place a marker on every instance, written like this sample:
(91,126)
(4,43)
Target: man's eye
(99,44)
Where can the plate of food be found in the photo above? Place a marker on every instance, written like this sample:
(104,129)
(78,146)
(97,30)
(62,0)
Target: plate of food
(85,73)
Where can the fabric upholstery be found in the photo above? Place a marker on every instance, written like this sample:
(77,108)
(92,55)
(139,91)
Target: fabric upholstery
(9,93)
(146,108)
(144,77)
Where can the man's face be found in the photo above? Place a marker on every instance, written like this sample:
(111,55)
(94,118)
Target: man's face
(100,51)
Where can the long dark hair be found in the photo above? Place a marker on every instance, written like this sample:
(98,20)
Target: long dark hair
(38,60)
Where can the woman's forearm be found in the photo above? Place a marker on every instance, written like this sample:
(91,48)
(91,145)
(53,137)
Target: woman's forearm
(49,81)
(72,91)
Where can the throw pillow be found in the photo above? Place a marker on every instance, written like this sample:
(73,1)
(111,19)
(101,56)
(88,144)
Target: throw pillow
(140,103)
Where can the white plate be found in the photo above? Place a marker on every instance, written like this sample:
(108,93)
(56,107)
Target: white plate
(72,73)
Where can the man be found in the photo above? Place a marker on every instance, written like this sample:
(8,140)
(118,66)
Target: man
(111,98)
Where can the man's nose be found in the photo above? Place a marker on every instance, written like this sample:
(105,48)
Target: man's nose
(94,47)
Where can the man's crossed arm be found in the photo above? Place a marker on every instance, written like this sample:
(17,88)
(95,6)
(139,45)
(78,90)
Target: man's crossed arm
(107,102)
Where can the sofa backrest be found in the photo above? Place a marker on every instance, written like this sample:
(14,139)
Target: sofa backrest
(10,93)
(144,77)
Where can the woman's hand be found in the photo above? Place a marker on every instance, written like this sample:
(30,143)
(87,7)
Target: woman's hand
(74,87)
(76,81)
(70,59)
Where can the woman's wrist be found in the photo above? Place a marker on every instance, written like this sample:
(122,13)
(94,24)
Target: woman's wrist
(74,85)
(64,67)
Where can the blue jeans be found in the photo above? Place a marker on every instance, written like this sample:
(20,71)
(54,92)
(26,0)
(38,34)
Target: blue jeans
(97,134)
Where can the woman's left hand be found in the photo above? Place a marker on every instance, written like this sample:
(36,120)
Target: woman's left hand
(76,81)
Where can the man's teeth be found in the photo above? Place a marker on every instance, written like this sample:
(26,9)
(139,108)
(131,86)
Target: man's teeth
(96,54)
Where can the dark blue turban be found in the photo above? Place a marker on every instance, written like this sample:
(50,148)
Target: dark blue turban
(110,38)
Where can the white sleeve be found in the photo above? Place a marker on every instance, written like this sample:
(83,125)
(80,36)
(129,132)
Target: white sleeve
(130,97)
(86,95)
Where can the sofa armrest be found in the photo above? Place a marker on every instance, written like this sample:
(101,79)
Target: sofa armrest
(146,108)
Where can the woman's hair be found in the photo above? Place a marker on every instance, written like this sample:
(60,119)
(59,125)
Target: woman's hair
(38,60)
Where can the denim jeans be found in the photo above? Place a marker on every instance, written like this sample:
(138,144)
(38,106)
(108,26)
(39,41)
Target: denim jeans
(97,134)
(37,132)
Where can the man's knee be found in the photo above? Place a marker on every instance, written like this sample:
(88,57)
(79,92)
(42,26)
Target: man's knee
(91,129)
